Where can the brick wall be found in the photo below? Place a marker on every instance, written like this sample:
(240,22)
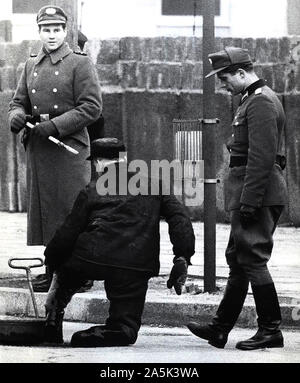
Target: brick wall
(176,63)
(147,82)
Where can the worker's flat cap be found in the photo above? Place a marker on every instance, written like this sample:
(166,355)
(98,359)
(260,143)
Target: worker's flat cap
(226,58)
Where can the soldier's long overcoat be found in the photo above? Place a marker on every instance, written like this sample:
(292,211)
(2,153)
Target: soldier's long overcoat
(65,85)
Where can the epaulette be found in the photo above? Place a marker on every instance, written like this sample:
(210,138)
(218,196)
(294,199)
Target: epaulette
(33,55)
(80,53)
(258,91)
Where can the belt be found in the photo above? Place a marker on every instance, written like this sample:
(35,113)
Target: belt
(242,161)
(39,118)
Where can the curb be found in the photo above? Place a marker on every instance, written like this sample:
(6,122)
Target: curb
(160,309)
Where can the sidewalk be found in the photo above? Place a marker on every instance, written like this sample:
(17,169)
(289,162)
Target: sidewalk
(162,305)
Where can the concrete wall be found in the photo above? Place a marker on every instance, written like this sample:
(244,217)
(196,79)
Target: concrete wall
(147,82)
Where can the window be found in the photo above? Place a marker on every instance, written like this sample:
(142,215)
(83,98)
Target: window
(185,7)
(184,17)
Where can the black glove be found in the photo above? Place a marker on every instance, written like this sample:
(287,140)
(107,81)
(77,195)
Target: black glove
(44,129)
(178,275)
(248,215)
(18,122)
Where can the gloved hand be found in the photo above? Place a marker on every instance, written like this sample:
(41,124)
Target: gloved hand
(44,129)
(18,122)
(178,275)
(248,215)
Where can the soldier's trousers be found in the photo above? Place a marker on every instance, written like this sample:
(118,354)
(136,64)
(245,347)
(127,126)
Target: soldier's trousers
(125,289)
(249,250)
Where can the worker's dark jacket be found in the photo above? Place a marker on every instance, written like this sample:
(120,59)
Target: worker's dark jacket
(257,140)
(121,231)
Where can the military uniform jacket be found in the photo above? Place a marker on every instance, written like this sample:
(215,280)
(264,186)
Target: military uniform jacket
(64,85)
(121,231)
(257,134)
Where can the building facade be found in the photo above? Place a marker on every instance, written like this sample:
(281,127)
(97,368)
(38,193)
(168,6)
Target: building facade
(150,18)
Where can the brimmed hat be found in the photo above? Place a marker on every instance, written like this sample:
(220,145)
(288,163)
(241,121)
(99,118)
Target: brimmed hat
(51,14)
(228,57)
(106,148)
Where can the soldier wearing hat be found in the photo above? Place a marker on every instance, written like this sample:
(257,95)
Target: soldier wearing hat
(59,93)
(255,194)
(114,237)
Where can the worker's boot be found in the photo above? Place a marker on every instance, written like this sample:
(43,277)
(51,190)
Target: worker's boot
(227,314)
(42,282)
(100,336)
(269,320)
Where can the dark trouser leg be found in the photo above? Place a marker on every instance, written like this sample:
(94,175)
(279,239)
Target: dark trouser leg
(235,292)
(231,305)
(126,291)
(63,286)
(127,299)
(255,247)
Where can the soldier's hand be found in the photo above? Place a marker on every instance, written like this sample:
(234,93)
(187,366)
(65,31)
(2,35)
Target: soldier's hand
(248,215)
(18,123)
(178,275)
(44,129)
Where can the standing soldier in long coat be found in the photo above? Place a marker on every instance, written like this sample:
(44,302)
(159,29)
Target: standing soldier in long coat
(255,195)
(60,89)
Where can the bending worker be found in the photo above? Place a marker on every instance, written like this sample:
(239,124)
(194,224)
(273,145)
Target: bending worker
(114,236)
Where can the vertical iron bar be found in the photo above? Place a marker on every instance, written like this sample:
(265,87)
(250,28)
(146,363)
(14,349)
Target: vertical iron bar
(209,152)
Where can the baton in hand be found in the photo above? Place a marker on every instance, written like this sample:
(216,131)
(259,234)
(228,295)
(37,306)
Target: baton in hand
(56,141)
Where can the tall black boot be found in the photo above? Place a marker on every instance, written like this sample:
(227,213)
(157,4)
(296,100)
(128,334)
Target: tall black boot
(269,320)
(222,323)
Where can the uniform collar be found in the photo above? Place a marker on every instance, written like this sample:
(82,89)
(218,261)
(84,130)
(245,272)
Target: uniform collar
(63,51)
(252,88)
